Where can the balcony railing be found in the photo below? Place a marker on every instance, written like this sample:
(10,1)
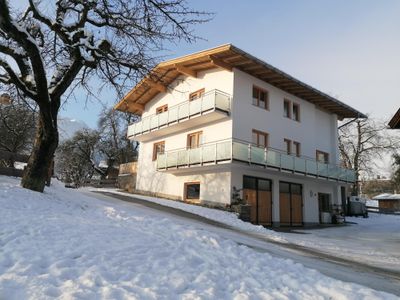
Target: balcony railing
(233,150)
(210,101)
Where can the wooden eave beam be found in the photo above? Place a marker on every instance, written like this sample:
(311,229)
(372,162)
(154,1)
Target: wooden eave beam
(137,106)
(158,86)
(220,63)
(186,71)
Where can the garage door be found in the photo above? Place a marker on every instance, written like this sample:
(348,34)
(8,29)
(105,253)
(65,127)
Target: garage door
(257,193)
(290,204)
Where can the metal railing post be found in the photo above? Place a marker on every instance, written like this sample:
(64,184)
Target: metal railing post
(201,156)
(215,153)
(265,156)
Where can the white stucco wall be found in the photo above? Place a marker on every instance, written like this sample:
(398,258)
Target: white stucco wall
(317,129)
(178,91)
(214,186)
(314,131)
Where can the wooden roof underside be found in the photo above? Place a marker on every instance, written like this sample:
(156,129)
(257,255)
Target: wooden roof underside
(394,123)
(227,57)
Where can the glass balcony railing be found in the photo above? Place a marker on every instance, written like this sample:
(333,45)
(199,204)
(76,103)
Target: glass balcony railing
(210,101)
(233,150)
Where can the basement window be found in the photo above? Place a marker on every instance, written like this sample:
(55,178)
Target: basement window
(192,191)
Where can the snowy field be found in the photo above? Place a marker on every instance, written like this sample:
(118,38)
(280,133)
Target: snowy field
(374,240)
(63,244)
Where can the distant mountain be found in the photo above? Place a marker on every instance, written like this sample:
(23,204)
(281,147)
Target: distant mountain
(67,127)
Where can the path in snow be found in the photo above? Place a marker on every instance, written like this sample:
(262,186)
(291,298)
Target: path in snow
(337,267)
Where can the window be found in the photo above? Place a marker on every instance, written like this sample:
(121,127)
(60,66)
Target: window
(297,148)
(296,112)
(286,109)
(196,95)
(288,145)
(192,190)
(161,109)
(158,148)
(194,140)
(260,98)
(259,138)
(322,156)
(324,202)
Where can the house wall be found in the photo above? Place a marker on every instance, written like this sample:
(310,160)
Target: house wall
(310,186)
(214,186)
(317,129)
(178,91)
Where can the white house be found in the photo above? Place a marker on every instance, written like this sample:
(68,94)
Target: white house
(221,120)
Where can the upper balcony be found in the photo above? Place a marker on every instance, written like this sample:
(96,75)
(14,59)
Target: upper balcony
(229,151)
(211,106)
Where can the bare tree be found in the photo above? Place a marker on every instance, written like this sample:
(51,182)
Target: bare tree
(17,127)
(396,173)
(361,144)
(75,157)
(54,46)
(113,143)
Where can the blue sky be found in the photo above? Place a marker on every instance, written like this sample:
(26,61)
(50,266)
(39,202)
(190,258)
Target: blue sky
(349,49)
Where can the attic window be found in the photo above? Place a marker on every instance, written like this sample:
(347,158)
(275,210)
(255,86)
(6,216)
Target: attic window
(260,97)
(196,95)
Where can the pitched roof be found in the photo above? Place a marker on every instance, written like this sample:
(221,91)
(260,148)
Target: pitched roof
(227,57)
(387,197)
(394,123)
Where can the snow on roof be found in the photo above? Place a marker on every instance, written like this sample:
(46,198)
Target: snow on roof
(387,196)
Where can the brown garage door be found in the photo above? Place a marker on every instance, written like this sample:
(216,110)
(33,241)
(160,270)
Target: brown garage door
(290,204)
(257,193)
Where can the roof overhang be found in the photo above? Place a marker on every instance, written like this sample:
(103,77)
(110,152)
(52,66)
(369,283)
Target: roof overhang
(394,123)
(227,57)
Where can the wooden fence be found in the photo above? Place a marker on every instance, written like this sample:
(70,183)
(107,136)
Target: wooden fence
(128,168)
(381,210)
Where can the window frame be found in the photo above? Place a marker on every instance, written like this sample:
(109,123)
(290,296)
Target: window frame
(260,90)
(155,153)
(161,109)
(325,154)
(288,146)
(199,135)
(297,147)
(260,133)
(296,117)
(289,103)
(196,94)
(185,190)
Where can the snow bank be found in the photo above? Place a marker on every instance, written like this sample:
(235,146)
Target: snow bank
(221,216)
(62,244)
(372,240)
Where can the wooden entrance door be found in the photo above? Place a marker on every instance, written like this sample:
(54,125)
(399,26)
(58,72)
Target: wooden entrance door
(257,193)
(290,204)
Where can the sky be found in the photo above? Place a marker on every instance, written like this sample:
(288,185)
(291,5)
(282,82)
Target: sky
(348,49)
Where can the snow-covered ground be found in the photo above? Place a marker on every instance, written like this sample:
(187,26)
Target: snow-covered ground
(375,240)
(63,244)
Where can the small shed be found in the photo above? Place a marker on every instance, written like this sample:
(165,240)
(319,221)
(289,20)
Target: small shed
(389,202)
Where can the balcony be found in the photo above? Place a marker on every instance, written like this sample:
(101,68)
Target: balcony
(228,151)
(212,106)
